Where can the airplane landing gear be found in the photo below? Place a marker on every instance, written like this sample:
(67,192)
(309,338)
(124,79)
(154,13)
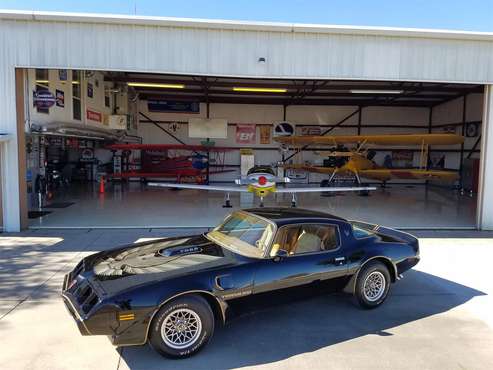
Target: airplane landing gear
(261,202)
(227,202)
(293,200)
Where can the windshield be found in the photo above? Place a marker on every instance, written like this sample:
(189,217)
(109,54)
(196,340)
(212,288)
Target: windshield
(244,233)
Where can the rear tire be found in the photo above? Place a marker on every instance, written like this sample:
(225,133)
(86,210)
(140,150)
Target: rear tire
(182,327)
(372,285)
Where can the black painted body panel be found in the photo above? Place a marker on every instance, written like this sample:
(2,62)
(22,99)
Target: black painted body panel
(137,279)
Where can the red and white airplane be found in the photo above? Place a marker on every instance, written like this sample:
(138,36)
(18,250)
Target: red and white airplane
(261,181)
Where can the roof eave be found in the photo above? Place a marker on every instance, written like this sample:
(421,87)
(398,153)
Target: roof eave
(243,25)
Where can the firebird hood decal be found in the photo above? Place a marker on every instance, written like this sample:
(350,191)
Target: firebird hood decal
(158,257)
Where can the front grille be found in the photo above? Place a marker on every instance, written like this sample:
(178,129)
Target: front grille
(85,296)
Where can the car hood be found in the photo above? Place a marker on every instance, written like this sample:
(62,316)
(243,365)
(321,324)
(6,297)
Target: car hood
(163,256)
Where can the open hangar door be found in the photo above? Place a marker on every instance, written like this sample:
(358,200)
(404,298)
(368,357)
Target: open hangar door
(85,140)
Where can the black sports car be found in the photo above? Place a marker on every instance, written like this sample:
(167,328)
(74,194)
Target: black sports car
(171,292)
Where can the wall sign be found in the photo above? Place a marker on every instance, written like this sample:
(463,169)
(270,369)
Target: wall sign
(60,98)
(43,99)
(90,90)
(94,116)
(173,106)
(245,133)
(472,130)
(310,130)
(283,129)
(265,134)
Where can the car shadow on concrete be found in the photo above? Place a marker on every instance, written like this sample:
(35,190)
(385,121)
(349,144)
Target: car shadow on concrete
(282,331)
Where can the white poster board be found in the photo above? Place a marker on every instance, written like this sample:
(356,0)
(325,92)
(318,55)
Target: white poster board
(215,128)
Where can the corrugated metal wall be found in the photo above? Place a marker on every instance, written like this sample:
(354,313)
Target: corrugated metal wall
(236,53)
(224,52)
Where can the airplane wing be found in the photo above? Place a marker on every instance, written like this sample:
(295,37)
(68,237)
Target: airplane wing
(226,189)
(316,169)
(403,173)
(384,174)
(324,190)
(390,139)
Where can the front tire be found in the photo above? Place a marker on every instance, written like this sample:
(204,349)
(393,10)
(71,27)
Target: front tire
(372,285)
(182,327)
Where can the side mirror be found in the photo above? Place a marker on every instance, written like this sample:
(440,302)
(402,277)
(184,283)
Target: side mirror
(280,255)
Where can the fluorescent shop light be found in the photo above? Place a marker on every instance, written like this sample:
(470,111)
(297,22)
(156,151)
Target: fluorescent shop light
(376,91)
(259,89)
(160,86)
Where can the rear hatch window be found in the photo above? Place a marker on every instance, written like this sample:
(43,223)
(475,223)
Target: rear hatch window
(362,229)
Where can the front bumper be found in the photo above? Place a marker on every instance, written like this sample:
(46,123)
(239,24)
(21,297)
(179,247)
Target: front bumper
(83,301)
(71,308)
(93,316)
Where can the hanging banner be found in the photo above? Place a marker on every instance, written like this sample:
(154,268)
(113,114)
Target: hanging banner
(245,133)
(265,134)
(173,106)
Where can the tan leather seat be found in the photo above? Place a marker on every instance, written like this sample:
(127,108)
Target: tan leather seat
(307,242)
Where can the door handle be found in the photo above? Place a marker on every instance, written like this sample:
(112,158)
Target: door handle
(339,260)
(335,261)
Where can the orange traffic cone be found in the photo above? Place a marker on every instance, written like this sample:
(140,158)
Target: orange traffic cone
(101,185)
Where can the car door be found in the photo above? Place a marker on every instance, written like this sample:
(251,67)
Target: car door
(301,266)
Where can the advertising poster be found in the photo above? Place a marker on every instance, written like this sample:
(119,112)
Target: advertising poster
(245,133)
(94,116)
(265,134)
(62,74)
(60,98)
(90,90)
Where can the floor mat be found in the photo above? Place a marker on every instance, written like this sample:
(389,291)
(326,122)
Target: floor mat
(37,214)
(59,205)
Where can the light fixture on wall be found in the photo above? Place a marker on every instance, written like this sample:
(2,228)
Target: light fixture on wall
(42,81)
(156,85)
(260,89)
(376,91)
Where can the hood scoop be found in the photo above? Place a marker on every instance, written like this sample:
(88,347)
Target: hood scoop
(178,251)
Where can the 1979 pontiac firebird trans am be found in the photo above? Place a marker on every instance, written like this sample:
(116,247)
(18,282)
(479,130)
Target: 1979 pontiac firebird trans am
(171,292)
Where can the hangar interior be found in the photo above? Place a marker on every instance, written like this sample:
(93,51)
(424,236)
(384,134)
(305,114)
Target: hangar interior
(76,178)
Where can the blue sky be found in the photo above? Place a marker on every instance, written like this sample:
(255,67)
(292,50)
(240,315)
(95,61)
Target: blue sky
(474,15)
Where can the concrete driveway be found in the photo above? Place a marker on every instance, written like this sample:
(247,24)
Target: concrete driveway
(440,316)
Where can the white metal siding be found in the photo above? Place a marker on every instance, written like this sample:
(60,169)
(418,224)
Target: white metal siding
(235,52)
(227,51)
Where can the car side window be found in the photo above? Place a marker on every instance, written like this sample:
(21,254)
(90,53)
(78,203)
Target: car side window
(308,238)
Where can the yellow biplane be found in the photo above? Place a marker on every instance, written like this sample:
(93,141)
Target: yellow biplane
(360,165)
